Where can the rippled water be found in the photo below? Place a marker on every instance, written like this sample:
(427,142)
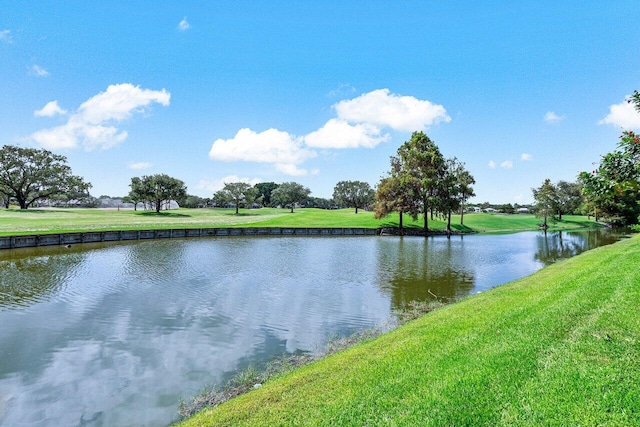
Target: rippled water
(116,334)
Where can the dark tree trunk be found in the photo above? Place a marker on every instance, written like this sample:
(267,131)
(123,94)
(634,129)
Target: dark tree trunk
(462,214)
(356,209)
(400,224)
(449,222)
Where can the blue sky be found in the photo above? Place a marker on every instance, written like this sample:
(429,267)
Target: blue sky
(318,92)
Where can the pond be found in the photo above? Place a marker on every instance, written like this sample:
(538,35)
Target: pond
(117,334)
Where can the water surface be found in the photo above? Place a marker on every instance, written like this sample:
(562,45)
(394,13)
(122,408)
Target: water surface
(115,334)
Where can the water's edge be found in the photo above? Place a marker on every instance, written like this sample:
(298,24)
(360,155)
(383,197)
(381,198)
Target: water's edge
(62,239)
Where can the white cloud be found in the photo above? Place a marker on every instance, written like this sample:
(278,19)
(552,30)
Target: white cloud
(526,156)
(622,115)
(551,117)
(51,109)
(5,36)
(360,122)
(338,133)
(184,24)
(401,113)
(139,165)
(507,164)
(214,185)
(92,124)
(492,164)
(270,146)
(38,71)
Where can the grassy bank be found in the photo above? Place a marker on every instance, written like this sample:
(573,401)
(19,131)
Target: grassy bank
(559,347)
(42,221)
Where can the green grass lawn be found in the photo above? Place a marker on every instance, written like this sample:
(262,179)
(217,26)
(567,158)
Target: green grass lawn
(42,221)
(560,347)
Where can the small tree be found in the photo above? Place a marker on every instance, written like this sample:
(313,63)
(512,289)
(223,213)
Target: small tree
(569,197)
(159,189)
(394,194)
(290,193)
(237,193)
(29,175)
(449,190)
(546,202)
(465,189)
(221,199)
(353,194)
(135,195)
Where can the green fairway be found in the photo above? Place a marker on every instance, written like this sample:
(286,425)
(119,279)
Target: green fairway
(559,347)
(42,221)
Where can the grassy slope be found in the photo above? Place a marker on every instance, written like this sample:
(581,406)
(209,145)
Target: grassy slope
(559,347)
(40,221)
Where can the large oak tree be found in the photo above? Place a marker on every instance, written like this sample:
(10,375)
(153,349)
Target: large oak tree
(157,190)
(353,194)
(29,175)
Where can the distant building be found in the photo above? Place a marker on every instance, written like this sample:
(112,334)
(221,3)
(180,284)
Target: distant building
(490,210)
(522,210)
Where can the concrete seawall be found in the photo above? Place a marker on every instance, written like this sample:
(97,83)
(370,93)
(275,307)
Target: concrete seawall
(30,241)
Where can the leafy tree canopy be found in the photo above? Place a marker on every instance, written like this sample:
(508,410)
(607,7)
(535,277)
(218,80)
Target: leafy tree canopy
(290,193)
(353,194)
(29,174)
(237,193)
(157,190)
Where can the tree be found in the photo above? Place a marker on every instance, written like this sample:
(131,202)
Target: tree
(392,196)
(136,194)
(569,197)
(613,189)
(465,182)
(546,202)
(221,199)
(353,194)
(29,175)
(158,189)
(290,193)
(264,190)
(422,170)
(237,193)
(449,189)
